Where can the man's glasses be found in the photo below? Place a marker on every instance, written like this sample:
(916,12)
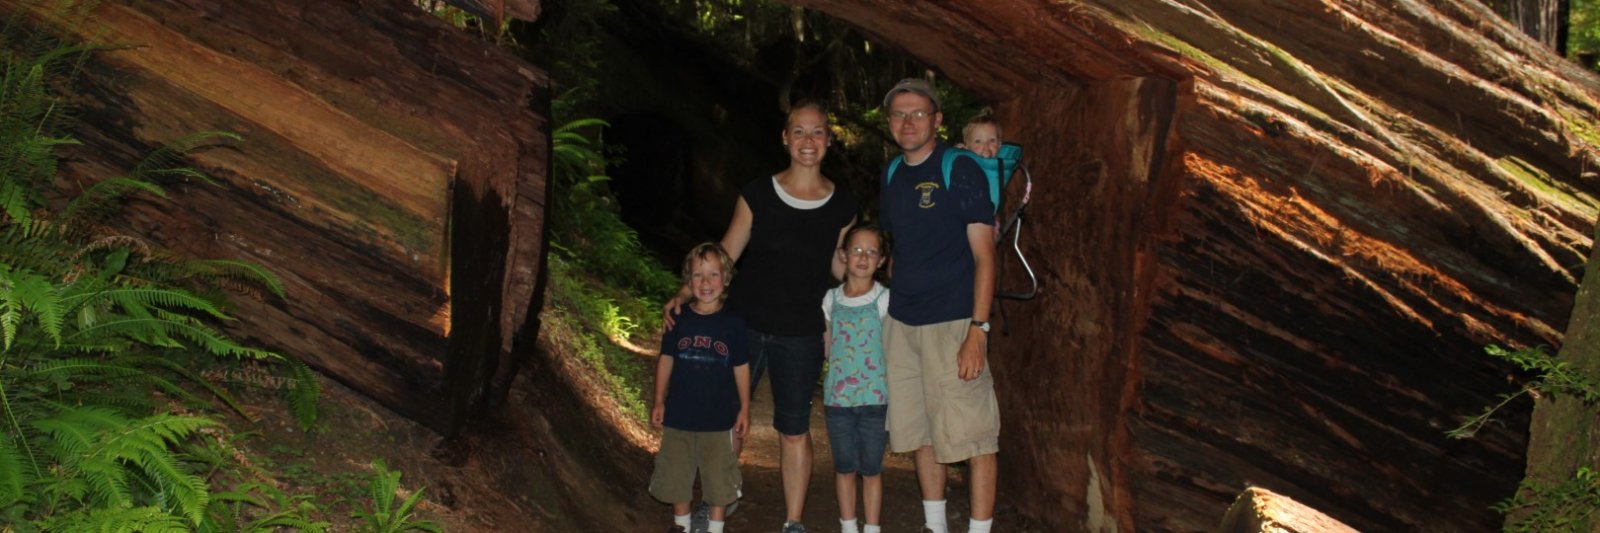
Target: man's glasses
(901,116)
(858,251)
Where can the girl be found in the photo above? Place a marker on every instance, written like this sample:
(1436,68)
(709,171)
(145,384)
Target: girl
(855,397)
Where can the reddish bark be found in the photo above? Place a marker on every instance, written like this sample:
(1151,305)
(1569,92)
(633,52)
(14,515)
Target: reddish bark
(1273,238)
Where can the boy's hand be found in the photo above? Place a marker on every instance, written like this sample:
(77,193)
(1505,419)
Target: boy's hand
(658,414)
(741,425)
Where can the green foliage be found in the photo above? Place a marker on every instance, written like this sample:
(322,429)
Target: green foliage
(462,19)
(1552,376)
(1583,33)
(586,224)
(1564,506)
(579,305)
(384,516)
(92,324)
(604,287)
(258,507)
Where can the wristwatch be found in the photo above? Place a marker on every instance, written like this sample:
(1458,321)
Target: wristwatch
(981,325)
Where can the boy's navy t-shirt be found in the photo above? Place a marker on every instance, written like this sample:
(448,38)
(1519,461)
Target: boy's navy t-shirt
(933,264)
(701,392)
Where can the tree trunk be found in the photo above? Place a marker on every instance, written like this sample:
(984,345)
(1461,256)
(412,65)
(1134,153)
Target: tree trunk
(1562,437)
(392,174)
(1544,20)
(1273,238)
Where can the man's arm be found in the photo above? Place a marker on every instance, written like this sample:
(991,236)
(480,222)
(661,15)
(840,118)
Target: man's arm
(973,355)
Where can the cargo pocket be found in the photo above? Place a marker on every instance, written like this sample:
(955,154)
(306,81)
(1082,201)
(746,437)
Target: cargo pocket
(971,414)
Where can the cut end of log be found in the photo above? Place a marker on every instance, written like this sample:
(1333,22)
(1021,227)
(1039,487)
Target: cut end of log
(1259,510)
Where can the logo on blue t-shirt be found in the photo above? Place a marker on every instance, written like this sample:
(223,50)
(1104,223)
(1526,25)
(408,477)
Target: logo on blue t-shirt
(926,188)
(700,343)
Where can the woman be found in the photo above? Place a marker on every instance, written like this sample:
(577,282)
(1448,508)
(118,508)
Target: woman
(784,233)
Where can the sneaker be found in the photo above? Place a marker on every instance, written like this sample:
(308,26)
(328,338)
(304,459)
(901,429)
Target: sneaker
(700,519)
(794,527)
(676,529)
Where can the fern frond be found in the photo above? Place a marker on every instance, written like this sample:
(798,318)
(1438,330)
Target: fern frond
(23,293)
(171,157)
(141,519)
(227,509)
(160,331)
(218,392)
(404,515)
(382,488)
(14,472)
(137,300)
(147,444)
(105,192)
(304,394)
(239,270)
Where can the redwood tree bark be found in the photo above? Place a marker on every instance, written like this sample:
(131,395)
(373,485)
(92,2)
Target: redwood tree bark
(392,173)
(1273,237)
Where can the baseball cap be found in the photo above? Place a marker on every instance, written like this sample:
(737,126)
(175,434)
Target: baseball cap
(913,85)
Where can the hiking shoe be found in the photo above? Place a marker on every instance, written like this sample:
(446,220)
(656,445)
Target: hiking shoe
(794,527)
(700,519)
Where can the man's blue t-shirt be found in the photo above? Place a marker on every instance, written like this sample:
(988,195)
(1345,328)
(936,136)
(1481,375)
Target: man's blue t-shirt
(701,393)
(933,265)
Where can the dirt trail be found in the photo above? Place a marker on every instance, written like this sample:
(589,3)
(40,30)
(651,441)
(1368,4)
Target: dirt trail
(762,508)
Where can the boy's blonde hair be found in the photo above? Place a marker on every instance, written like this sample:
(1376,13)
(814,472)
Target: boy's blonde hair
(983,117)
(706,251)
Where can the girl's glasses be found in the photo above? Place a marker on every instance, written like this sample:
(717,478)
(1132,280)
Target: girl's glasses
(859,251)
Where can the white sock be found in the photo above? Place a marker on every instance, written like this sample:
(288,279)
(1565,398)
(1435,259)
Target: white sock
(848,526)
(870,528)
(933,516)
(979,526)
(715,527)
(682,520)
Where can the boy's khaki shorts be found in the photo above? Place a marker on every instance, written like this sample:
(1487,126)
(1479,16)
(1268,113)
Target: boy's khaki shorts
(929,404)
(685,452)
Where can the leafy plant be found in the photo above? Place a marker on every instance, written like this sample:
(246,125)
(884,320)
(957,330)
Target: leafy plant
(91,324)
(385,516)
(258,507)
(1563,506)
(1553,376)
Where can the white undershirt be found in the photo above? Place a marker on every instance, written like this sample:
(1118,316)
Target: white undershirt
(796,202)
(857,301)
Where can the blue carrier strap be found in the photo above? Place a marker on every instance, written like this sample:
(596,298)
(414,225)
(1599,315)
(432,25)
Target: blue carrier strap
(997,169)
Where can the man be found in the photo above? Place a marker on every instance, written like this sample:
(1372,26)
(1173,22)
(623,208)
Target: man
(941,395)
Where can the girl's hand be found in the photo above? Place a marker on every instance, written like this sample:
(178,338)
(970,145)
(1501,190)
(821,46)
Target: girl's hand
(741,425)
(657,414)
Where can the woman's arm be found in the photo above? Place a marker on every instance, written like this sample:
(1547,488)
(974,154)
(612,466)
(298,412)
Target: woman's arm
(738,235)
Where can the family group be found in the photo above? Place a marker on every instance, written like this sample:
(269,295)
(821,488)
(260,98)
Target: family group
(908,373)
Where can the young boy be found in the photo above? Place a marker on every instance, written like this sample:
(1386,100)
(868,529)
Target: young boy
(702,395)
(981,135)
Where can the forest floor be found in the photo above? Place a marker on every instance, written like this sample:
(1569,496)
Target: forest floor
(332,465)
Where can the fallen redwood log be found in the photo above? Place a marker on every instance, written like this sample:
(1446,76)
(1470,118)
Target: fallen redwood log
(1273,238)
(1259,510)
(392,172)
